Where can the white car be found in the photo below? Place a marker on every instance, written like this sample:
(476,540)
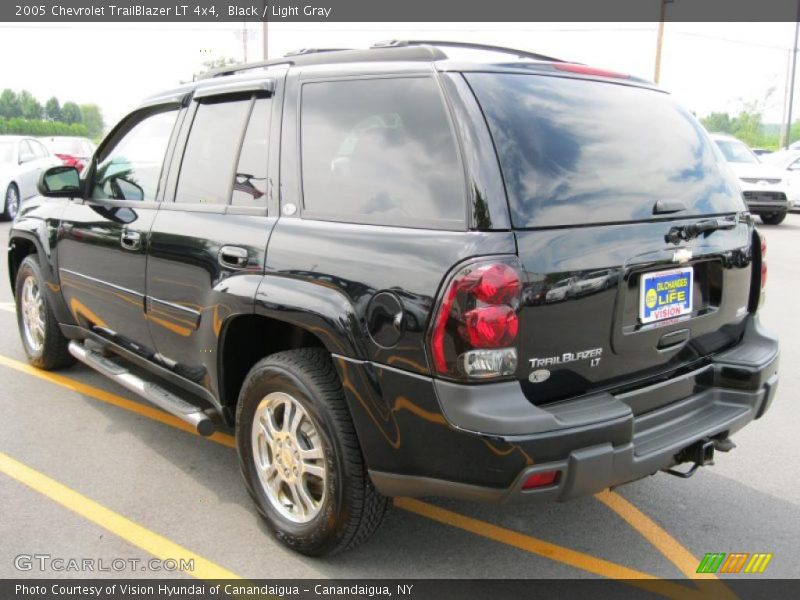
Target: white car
(763,185)
(788,161)
(22,159)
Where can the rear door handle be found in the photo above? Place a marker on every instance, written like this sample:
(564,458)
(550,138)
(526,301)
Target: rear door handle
(130,239)
(232,257)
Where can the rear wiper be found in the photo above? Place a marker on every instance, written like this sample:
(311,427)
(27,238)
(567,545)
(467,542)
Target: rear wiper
(706,226)
(665,207)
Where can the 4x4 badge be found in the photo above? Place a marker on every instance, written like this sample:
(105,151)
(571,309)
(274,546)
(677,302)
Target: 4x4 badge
(682,255)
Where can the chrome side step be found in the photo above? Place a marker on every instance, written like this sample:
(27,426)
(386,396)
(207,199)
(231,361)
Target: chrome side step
(148,390)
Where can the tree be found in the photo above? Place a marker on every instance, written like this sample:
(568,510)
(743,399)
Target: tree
(52,109)
(70,113)
(717,123)
(9,105)
(93,119)
(30,107)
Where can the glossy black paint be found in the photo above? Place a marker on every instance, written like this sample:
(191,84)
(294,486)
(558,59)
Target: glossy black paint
(170,304)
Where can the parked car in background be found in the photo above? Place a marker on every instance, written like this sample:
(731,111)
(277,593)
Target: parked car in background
(763,185)
(73,151)
(761,151)
(788,162)
(22,159)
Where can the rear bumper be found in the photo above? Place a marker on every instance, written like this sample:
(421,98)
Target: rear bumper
(768,207)
(595,442)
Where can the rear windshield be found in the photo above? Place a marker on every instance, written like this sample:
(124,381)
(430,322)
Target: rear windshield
(736,152)
(67,146)
(576,151)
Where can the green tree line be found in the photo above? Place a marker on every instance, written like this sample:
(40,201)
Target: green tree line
(749,127)
(21,113)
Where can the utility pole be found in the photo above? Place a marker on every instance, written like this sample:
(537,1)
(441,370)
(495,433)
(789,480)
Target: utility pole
(788,129)
(264,32)
(244,40)
(660,40)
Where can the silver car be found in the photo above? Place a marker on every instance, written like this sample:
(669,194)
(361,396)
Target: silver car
(22,159)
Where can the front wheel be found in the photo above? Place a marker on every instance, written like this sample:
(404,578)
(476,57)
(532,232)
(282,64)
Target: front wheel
(11,203)
(300,456)
(773,218)
(42,339)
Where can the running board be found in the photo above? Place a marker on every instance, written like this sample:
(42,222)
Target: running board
(148,390)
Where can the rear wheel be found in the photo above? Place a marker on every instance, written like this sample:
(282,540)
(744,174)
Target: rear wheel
(11,203)
(773,218)
(42,339)
(300,456)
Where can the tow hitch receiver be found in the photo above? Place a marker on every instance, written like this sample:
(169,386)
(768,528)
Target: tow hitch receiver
(700,453)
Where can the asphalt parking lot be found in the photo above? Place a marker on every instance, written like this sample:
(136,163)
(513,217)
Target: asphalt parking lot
(87,470)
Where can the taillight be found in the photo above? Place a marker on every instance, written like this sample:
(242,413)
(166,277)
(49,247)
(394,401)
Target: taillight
(475,329)
(763,260)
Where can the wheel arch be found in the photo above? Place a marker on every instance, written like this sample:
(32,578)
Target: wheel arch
(247,338)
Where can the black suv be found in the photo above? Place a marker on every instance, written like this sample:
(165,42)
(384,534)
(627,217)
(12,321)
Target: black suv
(394,273)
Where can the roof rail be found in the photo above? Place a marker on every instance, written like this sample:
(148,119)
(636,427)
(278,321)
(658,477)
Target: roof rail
(468,45)
(231,69)
(303,51)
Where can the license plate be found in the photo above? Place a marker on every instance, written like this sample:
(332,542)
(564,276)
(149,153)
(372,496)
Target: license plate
(665,294)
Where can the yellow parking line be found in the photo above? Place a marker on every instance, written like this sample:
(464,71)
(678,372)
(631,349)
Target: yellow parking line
(109,398)
(9,306)
(149,541)
(671,548)
(572,558)
(557,553)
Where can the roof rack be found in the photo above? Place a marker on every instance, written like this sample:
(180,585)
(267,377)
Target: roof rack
(391,50)
(333,56)
(231,69)
(467,45)
(304,51)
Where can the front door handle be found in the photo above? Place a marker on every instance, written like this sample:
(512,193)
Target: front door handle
(232,257)
(130,239)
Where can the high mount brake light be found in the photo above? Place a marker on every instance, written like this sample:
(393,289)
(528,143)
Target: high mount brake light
(475,329)
(586,70)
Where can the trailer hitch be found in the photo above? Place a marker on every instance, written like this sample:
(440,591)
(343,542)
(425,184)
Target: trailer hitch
(700,453)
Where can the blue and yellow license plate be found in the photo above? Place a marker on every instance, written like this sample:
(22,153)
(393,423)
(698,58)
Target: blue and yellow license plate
(665,294)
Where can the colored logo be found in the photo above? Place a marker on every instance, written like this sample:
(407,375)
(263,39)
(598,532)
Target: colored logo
(735,562)
(651,299)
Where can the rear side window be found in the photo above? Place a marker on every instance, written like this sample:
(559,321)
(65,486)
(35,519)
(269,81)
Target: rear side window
(250,184)
(211,152)
(576,151)
(380,151)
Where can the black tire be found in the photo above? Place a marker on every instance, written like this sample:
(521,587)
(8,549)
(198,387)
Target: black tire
(53,352)
(351,509)
(10,210)
(773,218)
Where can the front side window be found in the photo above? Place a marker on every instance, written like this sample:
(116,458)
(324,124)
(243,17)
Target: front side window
(211,152)
(380,151)
(131,168)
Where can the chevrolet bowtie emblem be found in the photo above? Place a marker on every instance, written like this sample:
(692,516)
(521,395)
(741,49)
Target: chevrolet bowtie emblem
(682,255)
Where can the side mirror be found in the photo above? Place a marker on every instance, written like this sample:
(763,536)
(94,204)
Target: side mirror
(60,182)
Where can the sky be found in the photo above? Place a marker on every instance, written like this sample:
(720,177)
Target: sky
(708,67)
